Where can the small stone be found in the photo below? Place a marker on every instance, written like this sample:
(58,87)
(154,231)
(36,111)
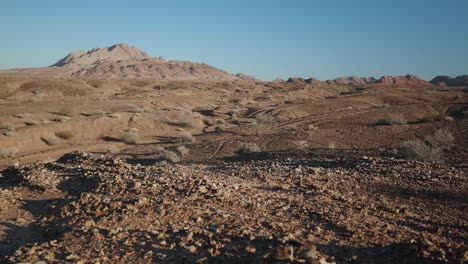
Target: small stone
(322,260)
(250,249)
(192,249)
(20,220)
(71,256)
(88,223)
(318,229)
(316,170)
(203,189)
(137,185)
(284,253)
(310,254)
(201,260)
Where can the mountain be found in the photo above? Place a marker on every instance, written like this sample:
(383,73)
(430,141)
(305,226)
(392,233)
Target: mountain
(449,81)
(122,61)
(408,80)
(118,52)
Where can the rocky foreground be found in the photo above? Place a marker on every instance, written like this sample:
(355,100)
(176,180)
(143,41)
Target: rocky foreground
(89,208)
(300,208)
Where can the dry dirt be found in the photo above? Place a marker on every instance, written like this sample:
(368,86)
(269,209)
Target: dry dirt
(326,187)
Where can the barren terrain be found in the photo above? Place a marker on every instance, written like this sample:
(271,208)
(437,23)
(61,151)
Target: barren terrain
(228,169)
(327,184)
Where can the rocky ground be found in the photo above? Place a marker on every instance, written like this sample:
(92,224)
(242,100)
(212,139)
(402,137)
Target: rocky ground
(150,171)
(328,206)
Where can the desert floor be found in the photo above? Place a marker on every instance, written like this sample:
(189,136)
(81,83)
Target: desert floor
(94,171)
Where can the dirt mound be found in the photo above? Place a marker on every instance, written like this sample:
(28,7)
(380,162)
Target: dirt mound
(410,81)
(449,81)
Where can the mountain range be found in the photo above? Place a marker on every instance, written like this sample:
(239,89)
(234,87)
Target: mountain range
(122,61)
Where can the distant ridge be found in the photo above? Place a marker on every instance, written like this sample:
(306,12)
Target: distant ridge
(461,80)
(352,80)
(408,80)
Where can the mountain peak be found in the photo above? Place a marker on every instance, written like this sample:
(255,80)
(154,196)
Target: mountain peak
(117,52)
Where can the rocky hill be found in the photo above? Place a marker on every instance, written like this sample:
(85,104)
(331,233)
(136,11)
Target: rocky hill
(409,80)
(352,80)
(122,61)
(450,81)
(153,69)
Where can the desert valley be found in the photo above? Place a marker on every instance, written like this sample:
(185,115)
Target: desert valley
(113,156)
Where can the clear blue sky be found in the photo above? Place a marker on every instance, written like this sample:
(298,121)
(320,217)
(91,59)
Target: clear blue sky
(268,39)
